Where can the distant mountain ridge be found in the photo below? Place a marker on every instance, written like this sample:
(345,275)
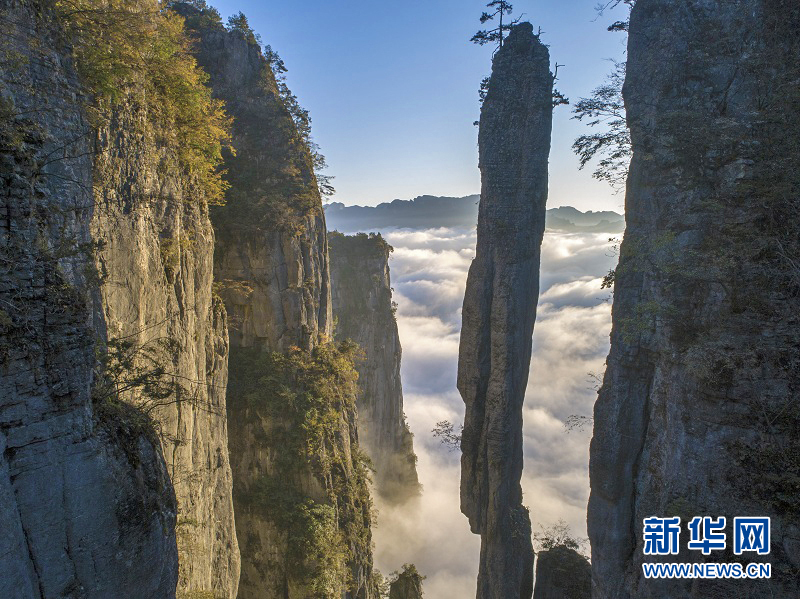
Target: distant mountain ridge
(425,212)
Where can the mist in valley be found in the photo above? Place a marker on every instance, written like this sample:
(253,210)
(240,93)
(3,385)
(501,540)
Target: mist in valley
(429,270)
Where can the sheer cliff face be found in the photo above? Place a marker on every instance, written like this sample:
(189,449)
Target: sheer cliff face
(362,307)
(86,505)
(156,257)
(271,263)
(271,268)
(500,307)
(698,412)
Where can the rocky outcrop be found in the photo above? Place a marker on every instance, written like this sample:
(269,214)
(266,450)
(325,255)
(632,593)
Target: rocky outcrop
(698,412)
(407,585)
(562,573)
(300,483)
(364,312)
(86,504)
(500,308)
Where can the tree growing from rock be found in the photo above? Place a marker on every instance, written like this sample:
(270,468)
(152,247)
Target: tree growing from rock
(445,432)
(499,9)
(406,584)
(612,4)
(605,109)
(557,535)
(611,142)
(302,120)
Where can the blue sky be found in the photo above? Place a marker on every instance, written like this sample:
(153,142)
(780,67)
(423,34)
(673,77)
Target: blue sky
(392,89)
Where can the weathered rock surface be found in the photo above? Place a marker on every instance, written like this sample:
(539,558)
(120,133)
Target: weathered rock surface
(362,307)
(156,248)
(562,573)
(156,255)
(698,412)
(271,268)
(407,585)
(86,504)
(500,308)
(271,260)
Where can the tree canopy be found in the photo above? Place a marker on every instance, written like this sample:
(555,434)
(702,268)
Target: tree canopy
(605,109)
(129,52)
(612,142)
(498,8)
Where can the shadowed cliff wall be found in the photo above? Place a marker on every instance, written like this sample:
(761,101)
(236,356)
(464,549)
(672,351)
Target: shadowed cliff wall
(697,414)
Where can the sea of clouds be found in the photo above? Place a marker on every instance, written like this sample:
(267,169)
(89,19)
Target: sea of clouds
(429,271)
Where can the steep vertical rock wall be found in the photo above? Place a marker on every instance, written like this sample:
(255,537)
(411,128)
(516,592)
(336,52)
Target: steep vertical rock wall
(500,309)
(562,573)
(156,257)
(155,254)
(86,505)
(363,311)
(271,266)
(698,412)
(272,253)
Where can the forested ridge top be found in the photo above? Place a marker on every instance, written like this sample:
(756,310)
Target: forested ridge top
(274,174)
(433,211)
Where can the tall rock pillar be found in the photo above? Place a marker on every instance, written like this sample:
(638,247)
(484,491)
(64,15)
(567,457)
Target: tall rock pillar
(500,309)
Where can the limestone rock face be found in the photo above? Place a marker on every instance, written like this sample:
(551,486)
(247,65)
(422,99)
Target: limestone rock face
(156,249)
(362,306)
(271,268)
(500,308)
(86,504)
(271,264)
(276,286)
(156,255)
(562,573)
(698,412)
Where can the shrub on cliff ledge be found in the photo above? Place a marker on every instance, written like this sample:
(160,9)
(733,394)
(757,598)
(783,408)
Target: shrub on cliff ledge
(304,404)
(135,53)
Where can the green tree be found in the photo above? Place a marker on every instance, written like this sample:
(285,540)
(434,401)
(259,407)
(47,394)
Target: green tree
(238,22)
(605,109)
(302,120)
(558,535)
(496,35)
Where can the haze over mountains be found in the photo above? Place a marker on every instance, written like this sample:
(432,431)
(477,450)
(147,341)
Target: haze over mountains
(432,211)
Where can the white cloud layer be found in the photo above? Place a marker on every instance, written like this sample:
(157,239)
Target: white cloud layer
(429,271)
